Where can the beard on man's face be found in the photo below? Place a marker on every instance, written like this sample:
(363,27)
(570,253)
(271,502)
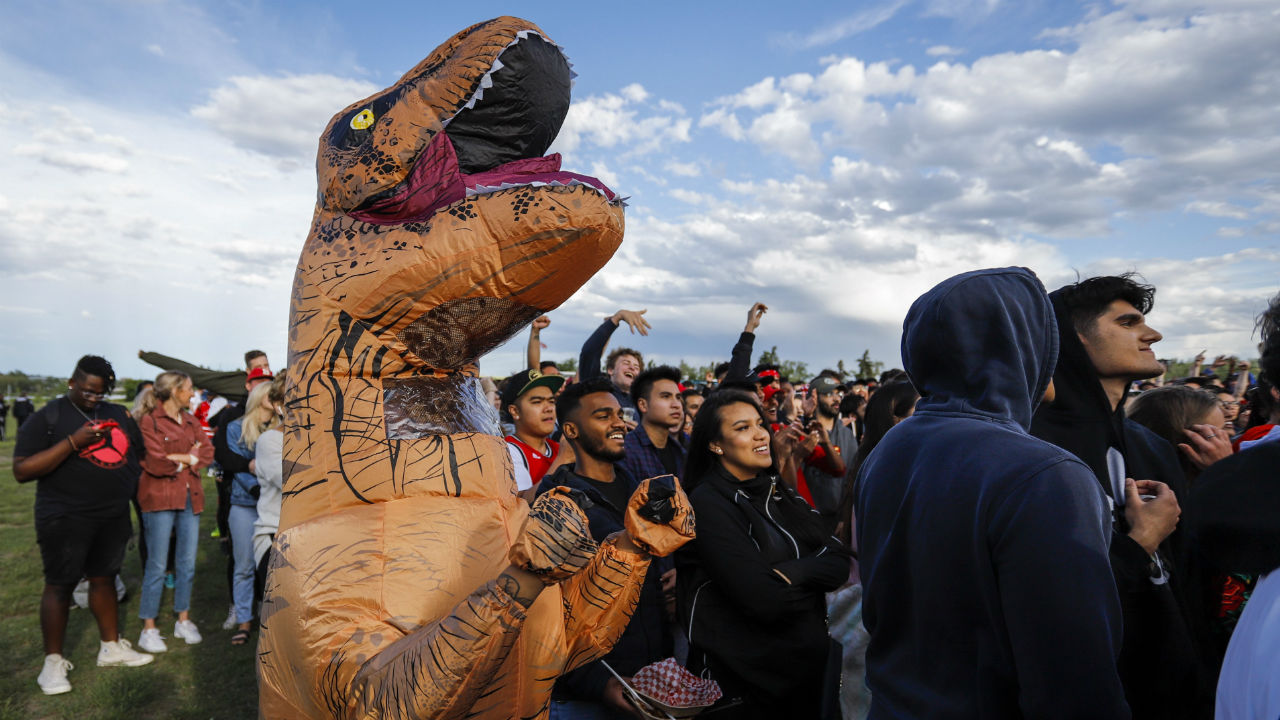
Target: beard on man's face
(595,448)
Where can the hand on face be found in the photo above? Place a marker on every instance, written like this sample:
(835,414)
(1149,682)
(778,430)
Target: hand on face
(1207,441)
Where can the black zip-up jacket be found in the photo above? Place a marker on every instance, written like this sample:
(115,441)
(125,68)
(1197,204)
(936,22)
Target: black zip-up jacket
(751,590)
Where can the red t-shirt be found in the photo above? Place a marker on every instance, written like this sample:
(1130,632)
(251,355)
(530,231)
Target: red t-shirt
(538,463)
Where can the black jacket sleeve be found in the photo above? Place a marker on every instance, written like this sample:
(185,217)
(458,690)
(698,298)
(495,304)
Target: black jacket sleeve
(740,358)
(593,349)
(231,461)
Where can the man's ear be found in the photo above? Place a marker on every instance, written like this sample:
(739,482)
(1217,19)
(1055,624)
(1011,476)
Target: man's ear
(642,406)
(569,430)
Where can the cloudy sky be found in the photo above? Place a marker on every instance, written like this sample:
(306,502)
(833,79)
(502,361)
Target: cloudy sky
(833,160)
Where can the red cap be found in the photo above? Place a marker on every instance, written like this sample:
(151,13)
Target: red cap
(259,372)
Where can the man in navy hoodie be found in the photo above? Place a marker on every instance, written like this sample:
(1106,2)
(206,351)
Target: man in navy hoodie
(983,550)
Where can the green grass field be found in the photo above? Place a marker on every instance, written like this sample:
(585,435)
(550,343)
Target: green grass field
(209,680)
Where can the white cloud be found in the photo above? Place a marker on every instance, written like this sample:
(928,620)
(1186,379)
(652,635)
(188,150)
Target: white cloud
(943,51)
(635,93)
(960,9)
(626,123)
(71,160)
(1186,107)
(856,24)
(279,116)
(155,50)
(684,169)
(1217,208)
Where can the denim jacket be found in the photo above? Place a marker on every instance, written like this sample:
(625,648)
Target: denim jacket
(244,485)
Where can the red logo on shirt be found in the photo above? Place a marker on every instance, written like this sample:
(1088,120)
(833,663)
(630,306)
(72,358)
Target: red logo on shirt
(110,451)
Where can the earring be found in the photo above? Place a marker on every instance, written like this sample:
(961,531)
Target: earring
(717,451)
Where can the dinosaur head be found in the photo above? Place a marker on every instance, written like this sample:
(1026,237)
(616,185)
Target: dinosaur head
(494,94)
(440,227)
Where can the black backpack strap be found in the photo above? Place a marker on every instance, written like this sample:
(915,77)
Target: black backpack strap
(51,413)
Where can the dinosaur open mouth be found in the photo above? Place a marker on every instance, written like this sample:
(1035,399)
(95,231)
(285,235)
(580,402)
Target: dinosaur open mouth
(495,141)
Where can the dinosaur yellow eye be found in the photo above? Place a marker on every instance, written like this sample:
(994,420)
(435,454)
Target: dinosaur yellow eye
(362,120)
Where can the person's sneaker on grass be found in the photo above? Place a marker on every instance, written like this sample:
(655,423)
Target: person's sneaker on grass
(188,631)
(231,620)
(121,654)
(169,580)
(53,677)
(151,641)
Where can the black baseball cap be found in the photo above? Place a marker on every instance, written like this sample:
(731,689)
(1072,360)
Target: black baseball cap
(526,380)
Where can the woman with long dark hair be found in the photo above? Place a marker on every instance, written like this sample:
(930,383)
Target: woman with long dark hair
(751,587)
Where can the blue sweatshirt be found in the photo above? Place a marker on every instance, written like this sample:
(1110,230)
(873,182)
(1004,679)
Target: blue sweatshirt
(983,550)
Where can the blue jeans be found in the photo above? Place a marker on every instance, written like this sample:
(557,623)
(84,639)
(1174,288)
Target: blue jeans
(241,520)
(584,710)
(158,526)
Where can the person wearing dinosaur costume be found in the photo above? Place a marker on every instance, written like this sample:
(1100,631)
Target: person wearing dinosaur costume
(408,579)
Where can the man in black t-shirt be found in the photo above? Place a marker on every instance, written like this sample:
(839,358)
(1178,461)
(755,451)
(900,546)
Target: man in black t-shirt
(84,454)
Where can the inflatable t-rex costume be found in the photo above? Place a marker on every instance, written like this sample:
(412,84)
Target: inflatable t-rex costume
(439,231)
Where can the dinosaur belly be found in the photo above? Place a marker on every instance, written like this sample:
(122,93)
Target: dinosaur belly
(346,586)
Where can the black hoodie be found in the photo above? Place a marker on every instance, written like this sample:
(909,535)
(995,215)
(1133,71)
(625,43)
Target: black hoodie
(1158,663)
(983,550)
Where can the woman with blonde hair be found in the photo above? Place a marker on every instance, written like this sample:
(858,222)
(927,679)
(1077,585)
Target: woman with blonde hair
(171,498)
(242,437)
(269,468)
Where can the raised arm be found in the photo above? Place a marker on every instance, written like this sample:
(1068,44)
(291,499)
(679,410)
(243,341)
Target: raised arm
(593,348)
(533,355)
(740,358)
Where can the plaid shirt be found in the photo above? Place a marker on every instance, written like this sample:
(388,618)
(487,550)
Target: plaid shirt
(643,459)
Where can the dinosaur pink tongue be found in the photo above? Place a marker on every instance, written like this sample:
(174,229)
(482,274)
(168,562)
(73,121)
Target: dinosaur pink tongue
(436,181)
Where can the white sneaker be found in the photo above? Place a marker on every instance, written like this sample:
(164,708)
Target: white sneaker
(151,641)
(121,653)
(188,631)
(231,620)
(53,678)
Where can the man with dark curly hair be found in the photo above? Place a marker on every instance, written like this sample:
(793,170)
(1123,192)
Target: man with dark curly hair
(1105,344)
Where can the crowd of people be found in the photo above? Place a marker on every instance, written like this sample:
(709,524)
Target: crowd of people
(1031,519)
(94,461)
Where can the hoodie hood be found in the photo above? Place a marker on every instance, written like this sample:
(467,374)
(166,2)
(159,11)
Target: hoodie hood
(982,343)
(1080,419)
